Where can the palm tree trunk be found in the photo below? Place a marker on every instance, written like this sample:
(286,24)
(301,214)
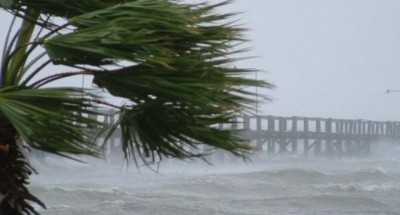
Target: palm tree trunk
(14,174)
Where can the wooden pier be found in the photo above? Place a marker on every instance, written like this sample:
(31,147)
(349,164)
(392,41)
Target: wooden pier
(306,135)
(314,136)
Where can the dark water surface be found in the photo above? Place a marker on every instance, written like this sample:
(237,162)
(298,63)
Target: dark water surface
(275,186)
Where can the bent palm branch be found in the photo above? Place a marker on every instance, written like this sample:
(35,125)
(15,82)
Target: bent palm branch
(172,63)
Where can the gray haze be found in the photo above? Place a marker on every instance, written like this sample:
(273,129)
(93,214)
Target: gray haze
(328,58)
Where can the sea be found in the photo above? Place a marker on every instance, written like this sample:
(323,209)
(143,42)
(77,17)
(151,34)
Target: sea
(276,185)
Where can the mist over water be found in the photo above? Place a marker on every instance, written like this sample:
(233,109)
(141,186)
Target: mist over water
(278,185)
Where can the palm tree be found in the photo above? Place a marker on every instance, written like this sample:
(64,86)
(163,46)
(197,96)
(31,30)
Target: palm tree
(169,60)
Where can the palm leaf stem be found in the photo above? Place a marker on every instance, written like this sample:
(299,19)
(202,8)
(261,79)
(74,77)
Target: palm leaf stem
(34,73)
(9,54)
(12,54)
(18,61)
(6,57)
(41,29)
(6,43)
(53,31)
(23,16)
(22,52)
(55,77)
(34,61)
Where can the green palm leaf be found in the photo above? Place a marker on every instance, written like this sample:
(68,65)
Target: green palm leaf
(142,31)
(189,81)
(61,8)
(171,61)
(55,120)
(155,130)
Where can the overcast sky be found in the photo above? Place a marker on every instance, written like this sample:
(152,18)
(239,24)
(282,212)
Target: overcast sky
(328,58)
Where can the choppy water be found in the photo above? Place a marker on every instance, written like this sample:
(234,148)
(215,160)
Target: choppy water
(276,186)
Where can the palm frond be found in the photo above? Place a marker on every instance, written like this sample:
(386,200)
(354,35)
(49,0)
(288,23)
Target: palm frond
(55,120)
(143,31)
(175,110)
(60,8)
(189,81)
(179,82)
(156,130)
